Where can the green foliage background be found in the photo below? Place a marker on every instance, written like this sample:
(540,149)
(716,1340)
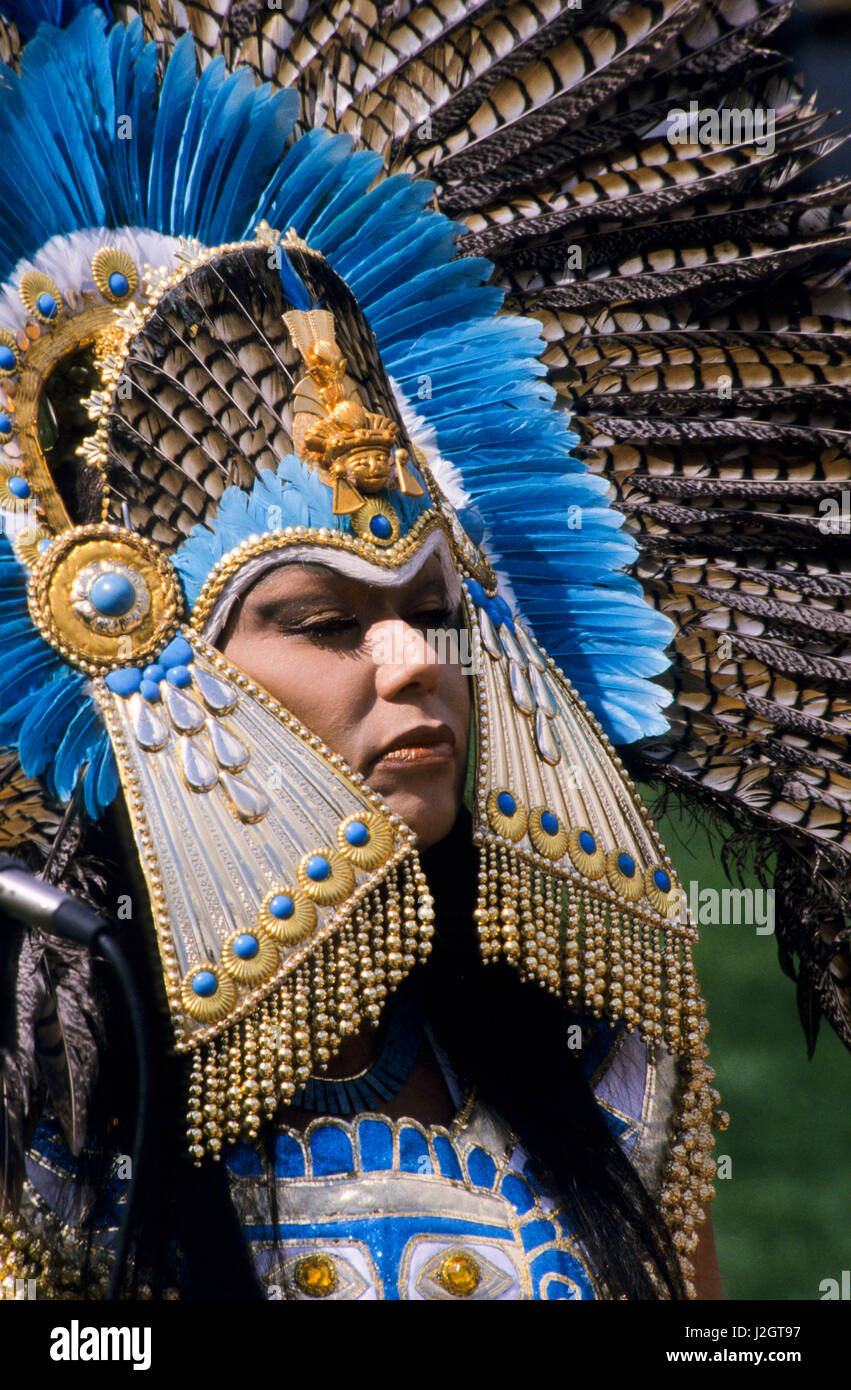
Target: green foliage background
(783,1218)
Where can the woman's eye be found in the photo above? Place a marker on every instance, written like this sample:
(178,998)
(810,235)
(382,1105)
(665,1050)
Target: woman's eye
(321,627)
(433,617)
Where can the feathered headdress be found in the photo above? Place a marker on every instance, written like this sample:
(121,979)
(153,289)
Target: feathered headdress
(233,421)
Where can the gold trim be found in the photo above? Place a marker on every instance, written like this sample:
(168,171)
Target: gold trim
(38,363)
(232,562)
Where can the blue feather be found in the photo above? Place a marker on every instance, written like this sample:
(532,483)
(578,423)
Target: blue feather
(78,746)
(42,730)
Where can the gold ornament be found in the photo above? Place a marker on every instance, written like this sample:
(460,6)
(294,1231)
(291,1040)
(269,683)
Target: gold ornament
(626,885)
(365,525)
(114,274)
(208,994)
(368,852)
(41,298)
(459,1274)
(250,969)
(325,876)
(590,863)
(69,599)
(354,449)
(549,841)
(510,825)
(316,1276)
(295,927)
(31,543)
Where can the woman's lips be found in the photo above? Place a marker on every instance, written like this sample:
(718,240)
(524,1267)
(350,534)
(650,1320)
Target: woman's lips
(416,756)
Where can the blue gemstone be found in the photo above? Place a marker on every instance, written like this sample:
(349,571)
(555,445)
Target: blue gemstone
(8,360)
(357,833)
(318,868)
(204,983)
(151,691)
(587,842)
(381,527)
(549,823)
(118,284)
(112,594)
(44,544)
(506,803)
(626,864)
(177,653)
(5,423)
(124,682)
(245,946)
(282,906)
(154,673)
(47,306)
(662,880)
(179,676)
(476,592)
(19,487)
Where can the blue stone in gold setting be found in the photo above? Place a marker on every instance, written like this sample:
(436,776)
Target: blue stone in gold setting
(112,595)
(282,906)
(626,864)
(205,984)
(662,880)
(506,803)
(246,946)
(317,868)
(587,842)
(357,833)
(549,822)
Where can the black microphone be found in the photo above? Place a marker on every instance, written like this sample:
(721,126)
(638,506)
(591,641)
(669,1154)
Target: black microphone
(38,904)
(35,903)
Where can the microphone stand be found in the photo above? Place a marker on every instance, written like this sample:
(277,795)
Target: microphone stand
(73,921)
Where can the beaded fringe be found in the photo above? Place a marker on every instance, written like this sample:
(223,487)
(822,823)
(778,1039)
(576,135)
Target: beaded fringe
(612,960)
(600,958)
(241,1077)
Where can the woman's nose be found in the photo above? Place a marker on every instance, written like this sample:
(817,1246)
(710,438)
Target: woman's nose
(403,656)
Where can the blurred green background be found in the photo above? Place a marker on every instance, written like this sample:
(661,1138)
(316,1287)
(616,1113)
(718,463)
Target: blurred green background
(783,1218)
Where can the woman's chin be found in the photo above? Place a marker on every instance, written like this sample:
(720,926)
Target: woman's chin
(430,819)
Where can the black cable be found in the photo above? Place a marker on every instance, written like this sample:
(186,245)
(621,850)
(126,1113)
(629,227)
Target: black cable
(115,957)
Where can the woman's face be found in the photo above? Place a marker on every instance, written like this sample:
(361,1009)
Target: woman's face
(352,661)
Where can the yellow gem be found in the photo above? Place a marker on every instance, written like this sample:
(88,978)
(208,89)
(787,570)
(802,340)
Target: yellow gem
(316,1275)
(459,1274)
